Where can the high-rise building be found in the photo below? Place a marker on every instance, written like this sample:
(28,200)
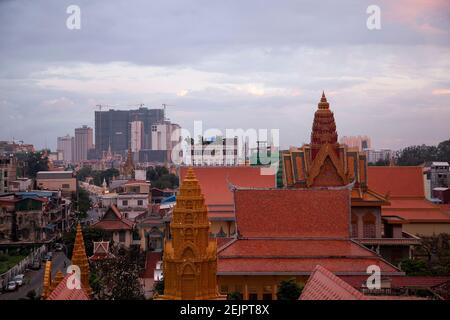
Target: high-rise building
(165,136)
(373,156)
(65,146)
(83,142)
(113,129)
(360,142)
(216,152)
(136,135)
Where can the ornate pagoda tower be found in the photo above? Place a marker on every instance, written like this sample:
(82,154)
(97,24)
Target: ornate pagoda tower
(79,259)
(190,258)
(324,128)
(128,167)
(326,164)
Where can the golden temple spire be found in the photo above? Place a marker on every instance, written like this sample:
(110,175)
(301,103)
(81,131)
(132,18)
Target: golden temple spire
(47,279)
(79,259)
(190,257)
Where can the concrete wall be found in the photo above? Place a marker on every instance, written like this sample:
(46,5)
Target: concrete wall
(427,229)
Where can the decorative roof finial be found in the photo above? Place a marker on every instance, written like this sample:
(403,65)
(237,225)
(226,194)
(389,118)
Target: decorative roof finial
(323,104)
(79,259)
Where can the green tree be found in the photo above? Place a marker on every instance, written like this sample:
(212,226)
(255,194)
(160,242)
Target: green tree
(444,150)
(234,296)
(158,287)
(379,163)
(119,277)
(83,173)
(289,290)
(89,234)
(160,178)
(31,163)
(107,175)
(415,268)
(82,202)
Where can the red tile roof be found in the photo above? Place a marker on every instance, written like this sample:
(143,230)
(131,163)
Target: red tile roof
(299,266)
(293,213)
(297,256)
(295,248)
(214,181)
(221,241)
(407,197)
(151,259)
(62,292)
(398,181)
(113,220)
(413,210)
(323,285)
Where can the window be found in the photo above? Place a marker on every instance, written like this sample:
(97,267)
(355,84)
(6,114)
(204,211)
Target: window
(65,186)
(124,202)
(140,202)
(224,289)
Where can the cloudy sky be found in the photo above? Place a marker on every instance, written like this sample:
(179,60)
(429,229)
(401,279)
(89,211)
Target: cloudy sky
(232,64)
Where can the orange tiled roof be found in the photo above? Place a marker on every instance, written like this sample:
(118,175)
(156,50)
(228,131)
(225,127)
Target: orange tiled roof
(407,197)
(293,213)
(323,285)
(298,266)
(214,181)
(298,256)
(264,247)
(397,181)
(62,292)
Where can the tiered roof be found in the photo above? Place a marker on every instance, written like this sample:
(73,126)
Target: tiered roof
(79,259)
(405,188)
(324,127)
(215,183)
(113,220)
(290,231)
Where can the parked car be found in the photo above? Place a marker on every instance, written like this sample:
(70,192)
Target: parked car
(19,279)
(48,257)
(11,286)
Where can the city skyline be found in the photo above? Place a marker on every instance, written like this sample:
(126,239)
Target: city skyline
(211,63)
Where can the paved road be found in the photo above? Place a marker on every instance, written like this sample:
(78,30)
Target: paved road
(35,278)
